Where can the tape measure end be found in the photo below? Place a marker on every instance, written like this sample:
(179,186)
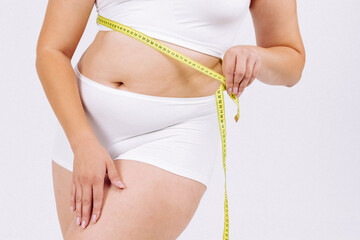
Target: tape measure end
(236,118)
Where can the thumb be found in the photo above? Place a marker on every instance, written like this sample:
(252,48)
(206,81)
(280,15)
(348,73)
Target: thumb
(113,174)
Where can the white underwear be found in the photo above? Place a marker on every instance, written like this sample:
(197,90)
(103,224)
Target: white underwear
(178,134)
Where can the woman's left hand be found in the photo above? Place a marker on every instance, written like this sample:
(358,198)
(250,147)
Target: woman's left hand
(241,64)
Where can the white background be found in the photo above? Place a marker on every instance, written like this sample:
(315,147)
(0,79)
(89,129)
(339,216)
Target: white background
(293,157)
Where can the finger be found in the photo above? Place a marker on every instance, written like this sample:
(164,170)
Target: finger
(72,197)
(251,80)
(249,72)
(98,189)
(78,203)
(86,204)
(228,67)
(113,174)
(239,72)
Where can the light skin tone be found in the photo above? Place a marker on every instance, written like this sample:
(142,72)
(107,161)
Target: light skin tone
(278,59)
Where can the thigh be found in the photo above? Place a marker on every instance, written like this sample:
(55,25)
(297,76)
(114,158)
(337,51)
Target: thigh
(156,204)
(62,179)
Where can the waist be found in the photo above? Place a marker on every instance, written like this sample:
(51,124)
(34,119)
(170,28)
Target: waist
(119,61)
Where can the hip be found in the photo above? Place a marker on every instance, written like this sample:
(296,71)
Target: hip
(120,114)
(178,134)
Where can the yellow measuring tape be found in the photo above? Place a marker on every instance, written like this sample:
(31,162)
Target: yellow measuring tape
(219,95)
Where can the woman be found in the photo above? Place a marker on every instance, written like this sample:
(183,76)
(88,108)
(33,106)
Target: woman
(143,119)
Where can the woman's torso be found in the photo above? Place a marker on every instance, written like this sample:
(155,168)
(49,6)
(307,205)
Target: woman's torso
(202,30)
(119,61)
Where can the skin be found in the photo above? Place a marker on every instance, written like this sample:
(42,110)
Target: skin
(154,203)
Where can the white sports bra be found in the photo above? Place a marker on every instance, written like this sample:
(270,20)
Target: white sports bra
(206,26)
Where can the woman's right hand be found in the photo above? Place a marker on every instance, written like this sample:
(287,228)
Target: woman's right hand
(91,161)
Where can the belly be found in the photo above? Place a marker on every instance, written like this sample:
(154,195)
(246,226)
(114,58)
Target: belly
(119,61)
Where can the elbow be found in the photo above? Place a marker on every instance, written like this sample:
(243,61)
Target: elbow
(44,51)
(293,82)
(40,58)
(41,55)
(44,55)
(300,69)
(37,60)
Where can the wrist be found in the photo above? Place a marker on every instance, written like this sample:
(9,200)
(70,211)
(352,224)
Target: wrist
(81,139)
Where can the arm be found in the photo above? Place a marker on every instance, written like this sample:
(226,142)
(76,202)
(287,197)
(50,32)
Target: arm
(278,58)
(279,41)
(53,64)
(63,26)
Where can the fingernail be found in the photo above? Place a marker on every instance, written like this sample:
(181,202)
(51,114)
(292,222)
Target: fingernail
(239,93)
(120,184)
(71,209)
(235,90)
(94,218)
(83,224)
(229,91)
(78,221)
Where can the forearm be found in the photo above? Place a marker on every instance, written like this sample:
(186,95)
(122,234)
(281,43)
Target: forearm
(280,65)
(59,83)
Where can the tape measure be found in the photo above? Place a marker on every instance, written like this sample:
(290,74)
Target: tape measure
(219,95)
